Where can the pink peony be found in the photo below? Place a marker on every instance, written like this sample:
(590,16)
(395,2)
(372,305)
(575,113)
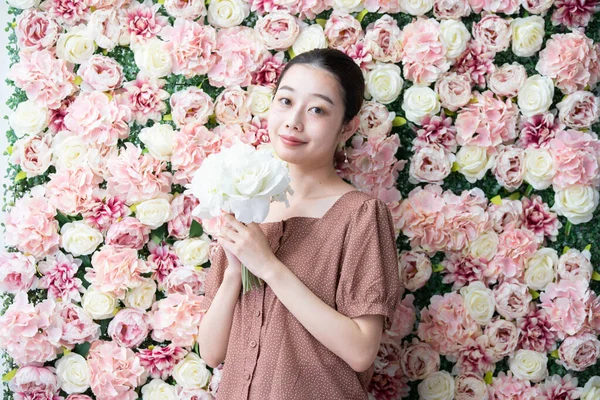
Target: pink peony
(502,336)
(162,261)
(579,352)
(451,9)
(512,299)
(309,9)
(183,277)
(100,73)
(145,97)
(278,30)
(115,371)
(495,6)
(565,303)
(415,269)
(102,210)
(430,164)
(59,277)
(510,167)
(45,79)
(475,356)
(342,30)
(137,177)
(579,110)
(538,218)
(78,397)
(360,54)
(128,233)
(141,21)
(535,332)
(78,327)
(477,62)
(268,72)
(36,31)
(259,129)
(507,215)
(575,265)
(576,156)
(382,6)
(418,360)
(538,130)
(559,387)
(388,381)
(232,106)
(507,80)
(160,361)
(17,272)
(403,322)
(57,116)
(493,32)
(436,130)
(375,119)
(69,190)
(381,40)
(191,105)
(423,53)
(181,209)
(454,90)
(129,327)
(507,387)
(574,14)
(31,382)
(470,386)
(186,9)
(33,153)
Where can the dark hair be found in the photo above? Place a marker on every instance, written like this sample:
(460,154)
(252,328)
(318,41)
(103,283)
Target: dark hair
(343,68)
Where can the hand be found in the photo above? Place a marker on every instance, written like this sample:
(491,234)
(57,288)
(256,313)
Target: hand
(248,244)
(234,266)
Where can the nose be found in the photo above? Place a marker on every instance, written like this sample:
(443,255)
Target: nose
(294,121)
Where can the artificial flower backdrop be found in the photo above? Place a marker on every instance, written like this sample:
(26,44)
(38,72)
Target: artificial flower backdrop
(479,133)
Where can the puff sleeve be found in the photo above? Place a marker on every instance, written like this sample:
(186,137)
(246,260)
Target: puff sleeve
(214,277)
(369,282)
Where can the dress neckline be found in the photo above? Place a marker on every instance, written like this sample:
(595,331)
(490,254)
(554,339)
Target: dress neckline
(329,210)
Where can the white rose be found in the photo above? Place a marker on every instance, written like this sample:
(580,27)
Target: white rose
(418,102)
(348,6)
(528,365)
(260,98)
(68,150)
(141,297)
(192,251)
(191,372)
(106,30)
(73,373)
(153,58)
(527,35)
(158,389)
(576,203)
(310,37)
(23,4)
(474,161)
(227,13)
(437,386)
(80,239)
(479,302)
(76,46)
(484,246)
(541,268)
(591,390)
(29,119)
(535,96)
(159,139)
(539,168)
(455,36)
(99,305)
(154,212)
(416,7)
(384,82)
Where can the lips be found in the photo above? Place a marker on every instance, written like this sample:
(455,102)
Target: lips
(291,140)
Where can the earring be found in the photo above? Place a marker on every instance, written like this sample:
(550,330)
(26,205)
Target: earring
(345,155)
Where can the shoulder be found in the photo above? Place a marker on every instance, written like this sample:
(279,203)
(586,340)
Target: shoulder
(360,205)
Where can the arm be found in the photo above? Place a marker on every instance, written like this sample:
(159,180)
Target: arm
(354,340)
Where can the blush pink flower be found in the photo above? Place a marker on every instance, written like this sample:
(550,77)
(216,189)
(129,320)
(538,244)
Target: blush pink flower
(342,30)
(278,30)
(78,397)
(162,261)
(160,360)
(268,72)
(430,164)
(475,356)
(128,233)
(115,371)
(507,387)
(579,352)
(233,106)
(538,130)
(559,387)
(375,119)
(181,209)
(575,265)
(78,326)
(436,130)
(129,327)
(512,299)
(141,21)
(538,218)
(32,382)
(191,105)
(100,73)
(496,6)
(382,6)
(418,360)
(258,129)
(309,9)
(576,157)
(59,277)
(507,80)
(36,31)
(381,40)
(470,386)
(67,12)
(493,32)
(186,9)
(535,331)
(102,210)
(574,14)
(507,215)
(461,270)
(31,227)
(45,79)
(145,97)
(116,269)
(477,62)
(388,381)
(423,53)
(192,145)
(565,302)
(69,190)
(57,116)
(503,338)
(403,322)
(137,177)
(17,272)
(454,91)
(451,9)
(360,54)
(514,248)
(183,277)
(510,167)
(579,110)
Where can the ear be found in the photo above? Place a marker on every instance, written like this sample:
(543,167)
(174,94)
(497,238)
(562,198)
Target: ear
(349,129)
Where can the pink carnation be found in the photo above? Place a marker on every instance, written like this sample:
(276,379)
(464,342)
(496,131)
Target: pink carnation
(160,361)
(475,356)
(17,272)
(59,277)
(269,70)
(538,218)
(461,270)
(162,261)
(142,21)
(436,130)
(535,331)
(115,371)
(191,105)
(69,190)
(538,130)
(381,40)
(565,302)
(477,62)
(67,12)
(36,31)
(46,79)
(403,322)
(145,97)
(137,177)
(128,233)
(102,211)
(423,53)
(576,157)
(31,382)
(192,145)
(559,387)
(78,326)
(574,14)
(129,327)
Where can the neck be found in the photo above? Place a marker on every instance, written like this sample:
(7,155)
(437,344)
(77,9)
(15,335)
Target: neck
(312,182)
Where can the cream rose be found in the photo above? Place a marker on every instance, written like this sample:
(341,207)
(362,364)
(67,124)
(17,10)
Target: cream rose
(455,36)
(29,119)
(154,212)
(527,35)
(418,102)
(80,239)
(193,251)
(310,37)
(348,6)
(384,82)
(260,98)
(576,203)
(227,13)
(158,389)
(153,58)
(141,297)
(73,373)
(416,7)
(540,269)
(591,390)
(535,96)
(99,305)
(528,365)
(23,4)
(76,45)
(484,246)
(479,302)
(474,161)
(539,168)
(159,139)
(437,386)
(191,372)
(68,150)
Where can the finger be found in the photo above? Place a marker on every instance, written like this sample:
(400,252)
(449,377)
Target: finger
(234,222)
(225,243)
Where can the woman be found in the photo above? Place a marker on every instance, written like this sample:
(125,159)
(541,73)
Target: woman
(329,261)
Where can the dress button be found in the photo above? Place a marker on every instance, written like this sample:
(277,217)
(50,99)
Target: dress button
(252,344)
(248,376)
(257,313)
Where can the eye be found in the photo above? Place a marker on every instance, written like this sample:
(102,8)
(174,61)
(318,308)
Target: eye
(285,101)
(318,110)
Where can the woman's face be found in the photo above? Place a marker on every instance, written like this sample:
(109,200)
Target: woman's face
(305,118)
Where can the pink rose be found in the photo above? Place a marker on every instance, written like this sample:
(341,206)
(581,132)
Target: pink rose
(503,337)
(510,167)
(78,327)
(538,218)
(36,31)
(115,270)
(537,131)
(381,40)
(115,371)
(575,156)
(145,97)
(575,265)
(191,105)
(375,119)
(477,62)
(69,190)
(31,382)
(17,272)
(507,80)
(403,322)
(129,327)
(59,277)
(493,32)
(579,110)
(565,302)
(512,299)
(415,269)
(475,356)
(418,360)
(184,276)
(342,30)
(33,153)
(100,73)
(579,352)
(160,361)
(128,233)
(431,164)
(233,106)
(186,9)
(451,9)
(277,30)
(454,90)
(470,386)
(141,22)
(268,72)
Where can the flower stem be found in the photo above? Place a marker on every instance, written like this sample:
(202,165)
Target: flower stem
(568,228)
(249,280)
(528,190)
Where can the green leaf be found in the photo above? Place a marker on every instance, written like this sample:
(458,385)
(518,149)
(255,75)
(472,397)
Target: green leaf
(438,268)
(534,294)
(455,167)
(20,176)
(554,354)
(361,15)
(497,200)
(9,150)
(565,249)
(62,218)
(78,80)
(515,196)
(82,349)
(291,53)
(9,375)
(588,247)
(321,22)
(196,229)
(488,377)
(596,276)
(167,117)
(398,121)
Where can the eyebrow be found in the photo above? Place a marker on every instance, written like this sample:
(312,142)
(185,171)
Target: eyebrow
(322,96)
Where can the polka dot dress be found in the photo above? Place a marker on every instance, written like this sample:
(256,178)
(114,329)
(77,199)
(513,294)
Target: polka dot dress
(348,259)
